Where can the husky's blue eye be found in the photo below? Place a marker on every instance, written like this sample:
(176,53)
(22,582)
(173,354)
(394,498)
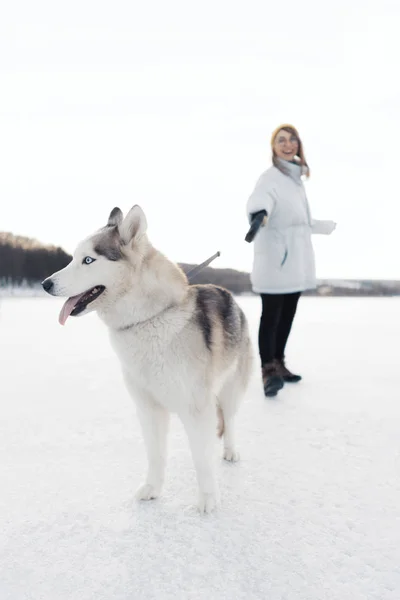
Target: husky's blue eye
(87,260)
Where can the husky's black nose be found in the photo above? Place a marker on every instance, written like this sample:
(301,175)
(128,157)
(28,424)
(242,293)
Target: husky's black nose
(47,285)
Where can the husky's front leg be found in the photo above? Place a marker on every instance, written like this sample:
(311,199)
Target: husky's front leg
(201,430)
(154,421)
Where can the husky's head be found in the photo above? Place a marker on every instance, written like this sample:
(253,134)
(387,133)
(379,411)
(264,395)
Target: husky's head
(101,264)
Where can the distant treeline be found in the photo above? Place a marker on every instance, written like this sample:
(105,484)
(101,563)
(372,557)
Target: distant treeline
(24,261)
(237,282)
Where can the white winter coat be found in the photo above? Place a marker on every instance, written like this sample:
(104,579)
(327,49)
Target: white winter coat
(283,252)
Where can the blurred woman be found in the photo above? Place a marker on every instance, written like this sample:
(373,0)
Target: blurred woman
(283,263)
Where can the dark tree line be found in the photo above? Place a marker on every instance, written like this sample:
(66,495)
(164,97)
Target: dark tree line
(237,282)
(23,260)
(26,261)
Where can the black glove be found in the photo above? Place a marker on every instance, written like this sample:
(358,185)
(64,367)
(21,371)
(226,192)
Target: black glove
(256,221)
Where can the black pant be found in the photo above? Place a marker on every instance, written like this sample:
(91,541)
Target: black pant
(278,311)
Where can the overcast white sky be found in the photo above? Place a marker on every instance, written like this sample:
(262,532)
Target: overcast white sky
(171,105)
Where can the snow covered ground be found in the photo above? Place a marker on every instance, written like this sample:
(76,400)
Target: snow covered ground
(312,511)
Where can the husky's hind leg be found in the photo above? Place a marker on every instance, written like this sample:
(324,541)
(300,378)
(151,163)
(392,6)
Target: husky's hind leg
(229,399)
(228,402)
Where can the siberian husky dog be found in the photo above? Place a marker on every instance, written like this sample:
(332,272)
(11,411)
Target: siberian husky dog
(183,349)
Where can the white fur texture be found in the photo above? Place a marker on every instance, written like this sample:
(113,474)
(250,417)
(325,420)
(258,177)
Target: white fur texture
(150,311)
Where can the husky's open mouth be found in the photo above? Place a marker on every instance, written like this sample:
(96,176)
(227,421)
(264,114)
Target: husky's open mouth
(76,304)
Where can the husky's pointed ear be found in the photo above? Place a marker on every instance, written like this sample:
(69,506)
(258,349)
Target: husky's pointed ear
(134,224)
(115,217)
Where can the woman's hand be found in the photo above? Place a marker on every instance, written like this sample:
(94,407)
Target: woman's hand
(331,227)
(323,227)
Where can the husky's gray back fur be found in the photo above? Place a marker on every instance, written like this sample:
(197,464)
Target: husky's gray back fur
(216,308)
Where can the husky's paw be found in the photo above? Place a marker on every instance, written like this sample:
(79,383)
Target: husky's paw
(147,491)
(231,455)
(207,502)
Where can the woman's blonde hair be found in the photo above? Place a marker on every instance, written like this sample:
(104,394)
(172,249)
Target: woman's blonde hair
(302,159)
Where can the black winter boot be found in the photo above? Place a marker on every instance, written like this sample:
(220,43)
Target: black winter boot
(273,382)
(284,372)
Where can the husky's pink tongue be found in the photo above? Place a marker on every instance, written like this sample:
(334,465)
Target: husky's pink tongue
(68,308)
